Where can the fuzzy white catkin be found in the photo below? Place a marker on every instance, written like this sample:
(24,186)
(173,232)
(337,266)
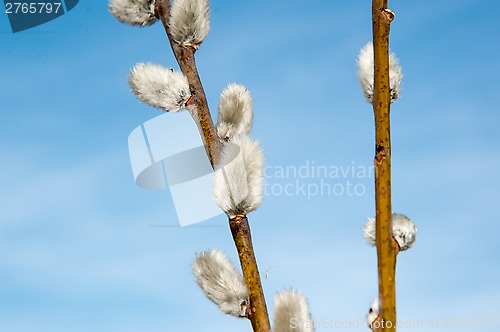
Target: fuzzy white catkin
(134,12)
(235,112)
(238,181)
(159,87)
(291,313)
(403,230)
(221,283)
(366,73)
(189,21)
(373,313)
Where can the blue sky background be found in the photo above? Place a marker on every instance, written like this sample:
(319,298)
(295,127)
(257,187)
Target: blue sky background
(80,246)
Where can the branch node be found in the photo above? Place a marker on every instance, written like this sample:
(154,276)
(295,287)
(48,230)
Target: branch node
(237,219)
(381,154)
(388,14)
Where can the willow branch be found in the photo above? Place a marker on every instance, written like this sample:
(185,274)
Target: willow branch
(257,310)
(240,229)
(386,246)
(197,105)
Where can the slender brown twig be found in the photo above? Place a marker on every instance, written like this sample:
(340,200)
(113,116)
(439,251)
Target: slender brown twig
(240,229)
(198,106)
(257,311)
(387,247)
